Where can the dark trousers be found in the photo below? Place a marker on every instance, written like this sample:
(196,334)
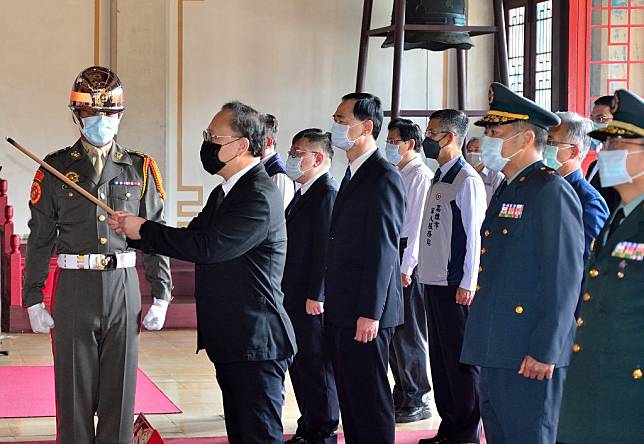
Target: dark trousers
(252,395)
(408,351)
(455,384)
(520,410)
(313,380)
(363,388)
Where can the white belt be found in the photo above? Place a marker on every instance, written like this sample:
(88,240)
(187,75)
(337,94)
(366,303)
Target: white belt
(97,261)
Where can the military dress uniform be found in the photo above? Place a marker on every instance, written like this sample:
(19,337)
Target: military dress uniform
(532,246)
(97,303)
(604,393)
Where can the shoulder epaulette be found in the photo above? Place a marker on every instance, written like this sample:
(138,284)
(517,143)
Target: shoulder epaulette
(138,153)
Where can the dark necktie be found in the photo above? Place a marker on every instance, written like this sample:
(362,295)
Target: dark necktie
(346,178)
(293,202)
(619,217)
(437,176)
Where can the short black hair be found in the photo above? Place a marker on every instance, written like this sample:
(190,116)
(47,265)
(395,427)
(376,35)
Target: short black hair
(319,136)
(408,130)
(271,126)
(367,107)
(247,123)
(540,134)
(608,101)
(452,120)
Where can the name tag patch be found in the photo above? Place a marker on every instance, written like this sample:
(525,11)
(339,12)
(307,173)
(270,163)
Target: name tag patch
(511,211)
(629,250)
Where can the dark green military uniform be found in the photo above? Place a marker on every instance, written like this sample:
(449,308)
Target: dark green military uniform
(97,313)
(604,393)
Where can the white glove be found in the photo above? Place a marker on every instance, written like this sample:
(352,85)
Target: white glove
(156,315)
(40,319)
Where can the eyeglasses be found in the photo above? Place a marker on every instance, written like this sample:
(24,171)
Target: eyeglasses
(209,137)
(600,119)
(299,153)
(431,134)
(558,143)
(395,141)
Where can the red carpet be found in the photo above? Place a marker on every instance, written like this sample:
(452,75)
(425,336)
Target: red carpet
(402,437)
(28,391)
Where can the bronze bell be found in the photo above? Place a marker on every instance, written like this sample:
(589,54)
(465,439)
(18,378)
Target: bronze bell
(433,12)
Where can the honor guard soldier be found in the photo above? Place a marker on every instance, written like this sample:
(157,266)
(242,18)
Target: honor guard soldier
(605,387)
(97,301)
(521,324)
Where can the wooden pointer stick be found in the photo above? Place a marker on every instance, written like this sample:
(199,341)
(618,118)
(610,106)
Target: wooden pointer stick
(61,176)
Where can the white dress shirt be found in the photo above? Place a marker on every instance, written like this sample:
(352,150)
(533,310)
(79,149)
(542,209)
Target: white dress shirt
(417,178)
(491,180)
(228,185)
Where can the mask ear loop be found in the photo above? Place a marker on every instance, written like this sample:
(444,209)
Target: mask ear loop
(76,118)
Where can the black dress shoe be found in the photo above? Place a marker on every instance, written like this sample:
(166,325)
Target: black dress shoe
(436,440)
(413,414)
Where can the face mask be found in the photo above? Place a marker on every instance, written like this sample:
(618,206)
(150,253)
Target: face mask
(209,155)
(595,145)
(491,152)
(550,157)
(473,159)
(612,167)
(432,147)
(392,153)
(340,136)
(294,167)
(100,130)
(598,125)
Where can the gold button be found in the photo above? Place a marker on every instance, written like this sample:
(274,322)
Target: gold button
(128,194)
(504,231)
(103,241)
(637,373)
(620,274)
(522,179)
(101,218)
(478,287)
(586,297)
(576,348)
(70,194)
(518,309)
(480,269)
(593,273)
(483,250)
(580,322)
(486,233)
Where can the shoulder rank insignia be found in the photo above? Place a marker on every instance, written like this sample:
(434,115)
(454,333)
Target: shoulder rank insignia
(149,163)
(511,211)
(629,250)
(118,155)
(75,154)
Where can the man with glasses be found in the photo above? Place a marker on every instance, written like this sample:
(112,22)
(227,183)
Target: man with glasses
(238,243)
(308,218)
(96,299)
(408,351)
(566,147)
(448,262)
(604,393)
(521,325)
(601,115)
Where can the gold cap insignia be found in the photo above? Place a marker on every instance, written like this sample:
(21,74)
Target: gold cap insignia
(73,176)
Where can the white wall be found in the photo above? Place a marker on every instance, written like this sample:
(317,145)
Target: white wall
(292,58)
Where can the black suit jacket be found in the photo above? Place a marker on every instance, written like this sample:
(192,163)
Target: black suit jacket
(307,225)
(363,265)
(239,248)
(610,194)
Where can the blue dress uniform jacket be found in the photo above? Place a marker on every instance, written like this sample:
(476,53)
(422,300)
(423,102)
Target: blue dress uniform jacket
(530,274)
(594,208)
(239,247)
(604,391)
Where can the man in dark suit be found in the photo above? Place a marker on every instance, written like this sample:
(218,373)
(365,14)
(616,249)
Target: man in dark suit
(308,218)
(362,284)
(521,325)
(238,243)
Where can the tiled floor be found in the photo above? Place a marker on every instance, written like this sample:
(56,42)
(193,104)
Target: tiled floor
(169,359)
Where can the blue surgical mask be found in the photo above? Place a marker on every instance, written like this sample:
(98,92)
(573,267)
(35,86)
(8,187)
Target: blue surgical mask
(340,136)
(550,157)
(100,130)
(598,125)
(491,148)
(473,159)
(294,167)
(612,167)
(595,145)
(392,153)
